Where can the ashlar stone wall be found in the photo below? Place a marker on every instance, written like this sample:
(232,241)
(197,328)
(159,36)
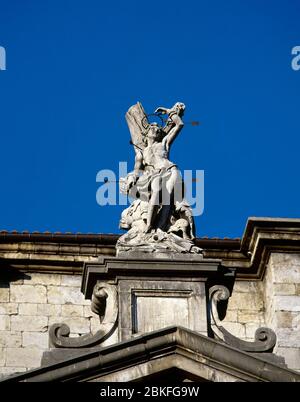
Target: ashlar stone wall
(28,307)
(282,295)
(245,310)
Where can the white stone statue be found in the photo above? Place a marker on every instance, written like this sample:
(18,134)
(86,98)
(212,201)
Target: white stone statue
(159,218)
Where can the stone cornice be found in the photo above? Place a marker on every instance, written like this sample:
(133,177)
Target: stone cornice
(265,235)
(261,237)
(68,252)
(99,240)
(167,268)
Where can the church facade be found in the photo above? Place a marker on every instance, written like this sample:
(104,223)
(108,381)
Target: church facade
(73,310)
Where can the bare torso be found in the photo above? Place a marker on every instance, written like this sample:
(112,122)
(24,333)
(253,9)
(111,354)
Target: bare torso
(155,156)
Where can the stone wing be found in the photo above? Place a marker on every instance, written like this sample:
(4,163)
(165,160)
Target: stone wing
(138,123)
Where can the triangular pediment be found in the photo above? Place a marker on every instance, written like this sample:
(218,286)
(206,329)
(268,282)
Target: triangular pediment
(167,355)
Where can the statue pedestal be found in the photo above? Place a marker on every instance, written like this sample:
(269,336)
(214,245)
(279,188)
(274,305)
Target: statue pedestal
(156,292)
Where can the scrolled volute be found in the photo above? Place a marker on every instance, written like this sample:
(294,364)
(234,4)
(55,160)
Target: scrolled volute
(104,304)
(265,338)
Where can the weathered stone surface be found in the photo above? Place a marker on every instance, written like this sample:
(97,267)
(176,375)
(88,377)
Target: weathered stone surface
(19,282)
(284,319)
(291,355)
(73,335)
(287,303)
(78,325)
(250,330)
(43,279)
(28,294)
(159,312)
(270,320)
(95,324)
(13,247)
(296,320)
(9,308)
(35,339)
(27,247)
(231,316)
(114,338)
(157,304)
(29,323)
(71,280)
(28,309)
(71,310)
(49,309)
(297,289)
(245,316)
(288,337)
(284,289)
(4,295)
(5,371)
(23,357)
(286,267)
(245,301)
(286,274)
(2,356)
(247,287)
(4,322)
(87,312)
(66,295)
(235,329)
(10,339)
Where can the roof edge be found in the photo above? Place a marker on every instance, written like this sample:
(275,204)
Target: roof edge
(161,342)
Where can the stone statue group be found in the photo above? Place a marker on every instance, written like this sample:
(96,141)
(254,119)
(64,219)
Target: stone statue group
(159,218)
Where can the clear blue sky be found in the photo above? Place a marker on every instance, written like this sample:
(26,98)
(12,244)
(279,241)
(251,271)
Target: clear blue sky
(74,68)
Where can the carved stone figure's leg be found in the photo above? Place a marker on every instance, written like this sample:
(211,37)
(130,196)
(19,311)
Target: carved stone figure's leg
(153,203)
(175,186)
(171,192)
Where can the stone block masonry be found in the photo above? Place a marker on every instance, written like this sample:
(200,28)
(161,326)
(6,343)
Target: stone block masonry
(281,286)
(28,307)
(245,310)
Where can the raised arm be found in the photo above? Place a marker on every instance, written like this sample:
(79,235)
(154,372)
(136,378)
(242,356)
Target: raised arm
(172,134)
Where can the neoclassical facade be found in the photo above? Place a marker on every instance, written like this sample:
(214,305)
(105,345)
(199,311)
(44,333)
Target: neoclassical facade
(71,310)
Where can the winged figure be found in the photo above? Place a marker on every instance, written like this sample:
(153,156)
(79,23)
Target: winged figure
(159,211)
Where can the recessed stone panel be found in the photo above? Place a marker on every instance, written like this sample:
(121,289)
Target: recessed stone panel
(147,305)
(159,312)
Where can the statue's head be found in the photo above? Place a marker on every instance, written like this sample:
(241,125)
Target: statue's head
(154,132)
(180,108)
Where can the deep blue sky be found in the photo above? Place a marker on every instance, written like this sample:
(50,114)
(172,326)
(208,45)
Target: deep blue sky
(75,67)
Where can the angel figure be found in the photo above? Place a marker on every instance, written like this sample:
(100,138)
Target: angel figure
(155,182)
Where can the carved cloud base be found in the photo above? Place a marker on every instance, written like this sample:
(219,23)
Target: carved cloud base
(154,243)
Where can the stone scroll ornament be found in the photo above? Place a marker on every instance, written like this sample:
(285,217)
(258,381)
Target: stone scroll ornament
(104,303)
(265,338)
(159,217)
